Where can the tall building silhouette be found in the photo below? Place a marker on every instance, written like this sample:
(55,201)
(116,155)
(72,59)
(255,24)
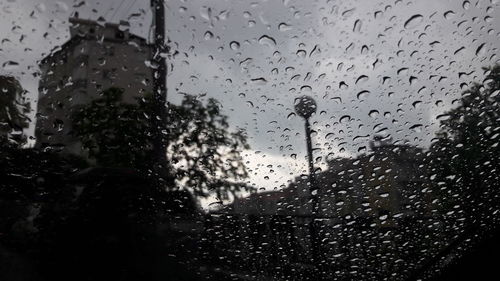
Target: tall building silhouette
(97,57)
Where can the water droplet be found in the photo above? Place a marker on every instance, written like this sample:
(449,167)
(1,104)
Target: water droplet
(348,13)
(301,53)
(403,70)
(244,63)
(384,194)
(362,94)
(267,40)
(466,5)
(234,45)
(101,20)
(10,65)
(480,49)
(345,118)
(206,12)
(284,26)
(449,15)
(306,88)
(223,15)
(413,21)
(357,26)
(412,79)
(416,104)
(349,48)
(259,81)
(361,79)
(364,49)
(314,51)
(343,85)
(208,35)
(417,128)
(373,113)
(458,51)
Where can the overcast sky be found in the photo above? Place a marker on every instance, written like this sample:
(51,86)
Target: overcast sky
(374,67)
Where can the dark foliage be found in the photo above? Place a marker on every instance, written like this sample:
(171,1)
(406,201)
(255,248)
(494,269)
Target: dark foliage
(466,153)
(13,110)
(204,154)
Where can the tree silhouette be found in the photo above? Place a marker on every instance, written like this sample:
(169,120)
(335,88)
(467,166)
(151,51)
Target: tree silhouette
(13,111)
(466,153)
(115,134)
(204,154)
(16,190)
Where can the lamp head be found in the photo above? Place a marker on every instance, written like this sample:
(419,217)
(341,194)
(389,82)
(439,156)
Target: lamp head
(305,106)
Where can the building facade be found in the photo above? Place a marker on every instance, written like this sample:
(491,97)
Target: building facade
(97,57)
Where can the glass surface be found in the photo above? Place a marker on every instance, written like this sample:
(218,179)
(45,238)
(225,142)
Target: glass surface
(249,140)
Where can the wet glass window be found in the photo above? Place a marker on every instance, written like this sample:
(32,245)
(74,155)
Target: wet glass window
(249,140)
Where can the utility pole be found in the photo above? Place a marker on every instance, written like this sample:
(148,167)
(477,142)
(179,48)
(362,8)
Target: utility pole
(159,116)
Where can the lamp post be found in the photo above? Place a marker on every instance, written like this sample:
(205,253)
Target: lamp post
(305,107)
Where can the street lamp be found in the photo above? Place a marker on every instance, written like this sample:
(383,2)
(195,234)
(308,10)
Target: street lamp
(305,107)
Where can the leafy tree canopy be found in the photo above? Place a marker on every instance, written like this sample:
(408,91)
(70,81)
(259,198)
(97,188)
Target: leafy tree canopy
(13,110)
(466,151)
(205,155)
